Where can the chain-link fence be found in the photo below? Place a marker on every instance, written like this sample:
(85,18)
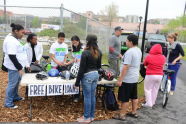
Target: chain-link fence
(46,22)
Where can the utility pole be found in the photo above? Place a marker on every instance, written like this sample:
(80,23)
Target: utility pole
(144,29)
(184,15)
(61,18)
(5,15)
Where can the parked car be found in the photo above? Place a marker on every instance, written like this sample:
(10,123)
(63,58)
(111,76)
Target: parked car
(123,39)
(155,39)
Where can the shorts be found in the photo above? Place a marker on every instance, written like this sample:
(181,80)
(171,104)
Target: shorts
(127,91)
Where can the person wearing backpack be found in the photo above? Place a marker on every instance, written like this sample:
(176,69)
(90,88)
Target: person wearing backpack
(128,78)
(15,60)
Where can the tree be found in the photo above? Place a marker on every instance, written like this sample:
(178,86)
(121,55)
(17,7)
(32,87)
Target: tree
(36,22)
(176,25)
(109,13)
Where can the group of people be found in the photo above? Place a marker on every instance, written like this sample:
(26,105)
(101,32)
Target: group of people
(154,63)
(19,56)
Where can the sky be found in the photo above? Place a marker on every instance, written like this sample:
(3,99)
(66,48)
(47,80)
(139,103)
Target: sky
(157,8)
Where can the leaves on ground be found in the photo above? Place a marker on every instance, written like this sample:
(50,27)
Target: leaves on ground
(46,109)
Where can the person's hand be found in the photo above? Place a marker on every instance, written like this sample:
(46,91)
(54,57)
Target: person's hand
(174,62)
(119,83)
(21,72)
(75,87)
(60,63)
(29,69)
(36,62)
(120,56)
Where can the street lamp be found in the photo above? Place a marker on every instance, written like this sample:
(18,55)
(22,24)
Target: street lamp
(144,29)
(140,18)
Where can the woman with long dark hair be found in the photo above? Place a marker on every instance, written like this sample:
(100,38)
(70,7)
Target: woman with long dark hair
(15,60)
(88,75)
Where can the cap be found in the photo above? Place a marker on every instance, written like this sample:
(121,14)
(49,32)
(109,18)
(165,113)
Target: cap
(118,28)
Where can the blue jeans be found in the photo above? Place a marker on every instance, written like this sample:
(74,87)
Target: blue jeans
(12,88)
(89,84)
(173,75)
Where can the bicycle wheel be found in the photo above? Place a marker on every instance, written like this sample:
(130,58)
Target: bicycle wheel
(165,99)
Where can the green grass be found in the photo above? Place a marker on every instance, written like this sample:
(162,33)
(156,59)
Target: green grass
(184,58)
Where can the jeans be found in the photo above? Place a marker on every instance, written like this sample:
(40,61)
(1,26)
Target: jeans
(173,75)
(12,88)
(89,84)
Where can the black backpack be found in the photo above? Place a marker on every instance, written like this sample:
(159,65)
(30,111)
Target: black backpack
(109,100)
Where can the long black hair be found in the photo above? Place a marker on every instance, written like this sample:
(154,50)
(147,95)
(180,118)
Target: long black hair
(92,45)
(17,27)
(79,47)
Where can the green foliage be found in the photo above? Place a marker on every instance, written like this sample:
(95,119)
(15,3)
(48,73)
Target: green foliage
(36,22)
(73,29)
(176,25)
(49,32)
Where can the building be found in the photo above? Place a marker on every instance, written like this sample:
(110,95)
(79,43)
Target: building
(131,19)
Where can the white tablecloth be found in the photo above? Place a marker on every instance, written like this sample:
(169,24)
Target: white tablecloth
(31,79)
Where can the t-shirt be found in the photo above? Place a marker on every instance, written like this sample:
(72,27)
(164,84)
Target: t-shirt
(132,58)
(13,46)
(77,55)
(114,47)
(60,51)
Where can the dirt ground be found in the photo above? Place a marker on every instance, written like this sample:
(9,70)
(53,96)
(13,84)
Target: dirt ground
(50,109)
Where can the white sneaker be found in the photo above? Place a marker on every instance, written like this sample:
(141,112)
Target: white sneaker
(12,107)
(171,93)
(145,106)
(83,120)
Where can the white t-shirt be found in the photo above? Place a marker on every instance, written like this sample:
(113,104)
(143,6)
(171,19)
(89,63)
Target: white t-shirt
(132,58)
(13,46)
(60,51)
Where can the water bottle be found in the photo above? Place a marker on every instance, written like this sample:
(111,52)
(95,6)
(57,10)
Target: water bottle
(49,67)
(67,75)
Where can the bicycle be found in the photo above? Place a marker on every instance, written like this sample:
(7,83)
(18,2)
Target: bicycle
(166,84)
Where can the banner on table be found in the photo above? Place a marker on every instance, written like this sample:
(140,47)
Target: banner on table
(54,89)
(69,89)
(37,90)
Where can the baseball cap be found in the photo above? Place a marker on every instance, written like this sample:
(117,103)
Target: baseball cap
(118,28)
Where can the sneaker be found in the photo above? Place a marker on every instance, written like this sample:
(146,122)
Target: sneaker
(12,107)
(83,120)
(171,93)
(76,100)
(19,99)
(91,119)
(145,106)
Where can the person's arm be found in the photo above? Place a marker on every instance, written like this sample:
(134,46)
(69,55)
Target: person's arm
(40,53)
(126,64)
(112,48)
(83,66)
(123,74)
(15,62)
(99,61)
(145,61)
(52,56)
(181,54)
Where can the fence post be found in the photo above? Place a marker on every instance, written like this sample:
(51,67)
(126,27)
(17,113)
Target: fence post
(61,18)
(86,28)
